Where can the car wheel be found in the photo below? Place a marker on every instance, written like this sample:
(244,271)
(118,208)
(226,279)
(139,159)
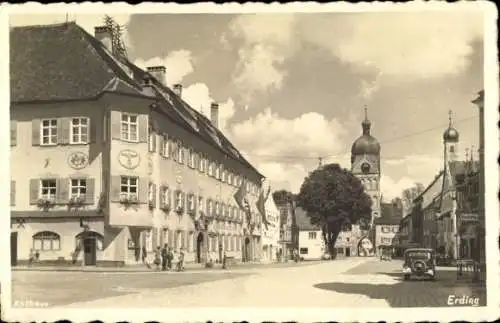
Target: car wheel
(406,277)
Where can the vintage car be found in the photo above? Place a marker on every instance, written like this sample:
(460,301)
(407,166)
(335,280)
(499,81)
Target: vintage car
(419,262)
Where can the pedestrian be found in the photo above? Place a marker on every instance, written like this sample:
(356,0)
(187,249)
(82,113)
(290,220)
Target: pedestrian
(31,257)
(224,261)
(175,260)
(170,256)
(157,258)
(164,256)
(181,260)
(145,257)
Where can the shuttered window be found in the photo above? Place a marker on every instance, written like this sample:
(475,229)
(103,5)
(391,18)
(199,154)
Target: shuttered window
(79,130)
(48,132)
(12,193)
(129,127)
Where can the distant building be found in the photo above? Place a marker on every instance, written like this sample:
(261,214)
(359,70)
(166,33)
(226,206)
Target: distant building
(311,243)
(107,159)
(271,232)
(387,227)
(365,165)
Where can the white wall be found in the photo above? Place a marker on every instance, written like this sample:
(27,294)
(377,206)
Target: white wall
(315,245)
(271,235)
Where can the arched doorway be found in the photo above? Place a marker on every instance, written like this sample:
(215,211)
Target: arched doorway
(246,250)
(90,242)
(199,247)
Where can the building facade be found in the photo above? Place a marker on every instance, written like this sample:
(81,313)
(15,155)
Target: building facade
(311,245)
(107,160)
(271,233)
(288,232)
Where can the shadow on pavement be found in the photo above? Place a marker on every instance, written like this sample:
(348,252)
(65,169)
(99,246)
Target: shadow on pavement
(414,293)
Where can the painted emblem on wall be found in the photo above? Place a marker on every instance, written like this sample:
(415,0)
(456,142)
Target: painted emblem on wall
(78,160)
(129,159)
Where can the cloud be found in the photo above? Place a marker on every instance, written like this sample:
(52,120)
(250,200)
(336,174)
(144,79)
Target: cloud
(406,44)
(267,42)
(178,63)
(308,136)
(285,150)
(198,96)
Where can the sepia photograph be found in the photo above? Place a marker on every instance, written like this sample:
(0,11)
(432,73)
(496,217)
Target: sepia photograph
(251,157)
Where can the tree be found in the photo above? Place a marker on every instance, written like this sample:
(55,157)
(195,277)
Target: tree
(410,194)
(333,197)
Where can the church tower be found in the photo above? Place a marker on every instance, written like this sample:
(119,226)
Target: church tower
(450,141)
(365,164)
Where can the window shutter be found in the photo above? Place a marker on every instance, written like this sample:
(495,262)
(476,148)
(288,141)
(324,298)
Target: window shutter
(142,119)
(92,130)
(62,190)
(115,120)
(154,195)
(12,193)
(161,145)
(13,132)
(63,125)
(115,189)
(207,208)
(35,132)
(143,189)
(34,189)
(89,197)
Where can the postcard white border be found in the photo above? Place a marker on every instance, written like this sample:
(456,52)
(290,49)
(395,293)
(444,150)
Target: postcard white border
(491,87)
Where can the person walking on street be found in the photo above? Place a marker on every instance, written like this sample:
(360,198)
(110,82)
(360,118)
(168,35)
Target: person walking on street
(145,257)
(31,257)
(224,259)
(181,259)
(175,260)
(158,258)
(170,256)
(164,256)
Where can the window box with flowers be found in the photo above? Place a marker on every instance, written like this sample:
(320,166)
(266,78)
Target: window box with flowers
(46,203)
(76,202)
(179,202)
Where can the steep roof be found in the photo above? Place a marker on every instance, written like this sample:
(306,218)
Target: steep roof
(303,222)
(64,62)
(60,62)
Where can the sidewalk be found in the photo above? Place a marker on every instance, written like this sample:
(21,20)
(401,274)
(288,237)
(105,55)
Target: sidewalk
(190,267)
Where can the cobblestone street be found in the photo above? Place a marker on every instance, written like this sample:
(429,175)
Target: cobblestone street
(349,282)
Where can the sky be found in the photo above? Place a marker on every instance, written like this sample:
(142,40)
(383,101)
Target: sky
(292,87)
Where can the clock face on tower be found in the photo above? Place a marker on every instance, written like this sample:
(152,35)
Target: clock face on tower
(365,167)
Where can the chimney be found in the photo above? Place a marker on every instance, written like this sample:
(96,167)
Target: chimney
(159,73)
(147,87)
(214,114)
(103,34)
(178,90)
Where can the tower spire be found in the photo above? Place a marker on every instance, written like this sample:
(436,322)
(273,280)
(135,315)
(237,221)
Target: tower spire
(450,113)
(366,112)
(366,123)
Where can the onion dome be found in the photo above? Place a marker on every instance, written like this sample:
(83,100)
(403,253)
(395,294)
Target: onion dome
(366,144)
(450,134)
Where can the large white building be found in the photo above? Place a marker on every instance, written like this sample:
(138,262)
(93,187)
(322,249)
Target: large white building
(311,243)
(271,235)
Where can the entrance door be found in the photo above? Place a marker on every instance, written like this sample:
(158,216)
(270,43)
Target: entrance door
(13,248)
(199,247)
(347,252)
(89,249)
